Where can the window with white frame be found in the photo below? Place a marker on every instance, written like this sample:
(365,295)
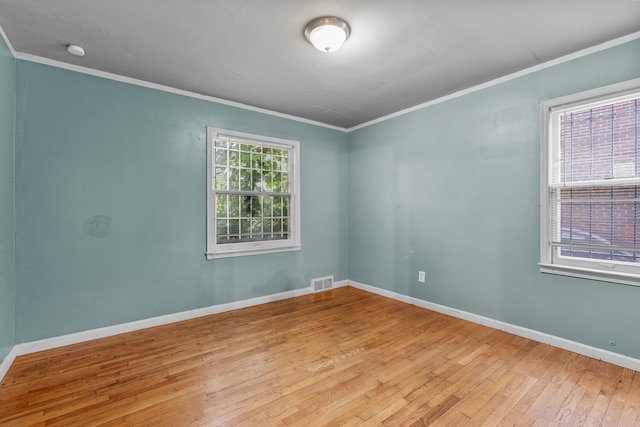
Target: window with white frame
(253,203)
(590,184)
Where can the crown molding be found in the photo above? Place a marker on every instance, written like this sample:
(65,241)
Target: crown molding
(169,89)
(508,77)
(150,85)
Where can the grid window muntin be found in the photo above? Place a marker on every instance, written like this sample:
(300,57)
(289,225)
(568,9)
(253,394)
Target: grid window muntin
(253,206)
(590,209)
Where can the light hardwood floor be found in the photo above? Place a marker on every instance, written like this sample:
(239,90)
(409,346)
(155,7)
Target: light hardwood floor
(341,357)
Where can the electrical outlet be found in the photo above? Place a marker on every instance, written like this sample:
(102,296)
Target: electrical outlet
(421,277)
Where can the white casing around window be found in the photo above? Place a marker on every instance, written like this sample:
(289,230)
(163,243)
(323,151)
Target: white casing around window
(550,261)
(215,250)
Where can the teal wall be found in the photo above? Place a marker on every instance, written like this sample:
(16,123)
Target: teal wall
(453,189)
(88,146)
(7,204)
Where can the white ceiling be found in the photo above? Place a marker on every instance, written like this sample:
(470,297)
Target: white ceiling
(400,54)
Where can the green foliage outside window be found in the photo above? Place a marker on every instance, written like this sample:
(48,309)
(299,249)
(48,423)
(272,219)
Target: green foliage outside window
(252,192)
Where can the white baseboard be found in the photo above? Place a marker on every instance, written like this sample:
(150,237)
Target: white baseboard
(78,337)
(50,343)
(576,347)
(340,283)
(6,363)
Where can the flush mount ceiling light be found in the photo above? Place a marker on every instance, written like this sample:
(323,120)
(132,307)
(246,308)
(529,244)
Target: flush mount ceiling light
(76,50)
(327,33)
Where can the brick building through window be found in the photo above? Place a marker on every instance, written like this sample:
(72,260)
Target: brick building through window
(599,147)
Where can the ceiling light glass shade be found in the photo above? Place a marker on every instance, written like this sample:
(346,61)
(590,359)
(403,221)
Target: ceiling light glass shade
(76,50)
(327,33)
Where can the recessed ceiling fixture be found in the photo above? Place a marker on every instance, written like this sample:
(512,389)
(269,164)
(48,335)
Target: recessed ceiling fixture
(327,33)
(76,50)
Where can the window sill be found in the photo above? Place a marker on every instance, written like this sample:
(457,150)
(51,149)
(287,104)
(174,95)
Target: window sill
(247,252)
(585,273)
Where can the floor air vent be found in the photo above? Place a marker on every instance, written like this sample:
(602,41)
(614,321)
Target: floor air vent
(322,283)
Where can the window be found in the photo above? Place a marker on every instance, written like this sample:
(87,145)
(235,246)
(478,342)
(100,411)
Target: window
(253,203)
(590,190)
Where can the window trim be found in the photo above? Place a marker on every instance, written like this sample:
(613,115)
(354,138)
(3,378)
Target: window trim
(596,269)
(227,250)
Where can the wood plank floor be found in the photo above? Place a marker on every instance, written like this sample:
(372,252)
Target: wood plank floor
(341,357)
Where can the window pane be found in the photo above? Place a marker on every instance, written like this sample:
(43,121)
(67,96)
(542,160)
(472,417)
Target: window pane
(234,206)
(220,179)
(243,172)
(245,179)
(277,206)
(245,210)
(234,158)
(267,181)
(256,181)
(245,228)
(234,179)
(222,206)
(267,206)
(221,157)
(600,143)
(222,230)
(256,207)
(234,227)
(267,160)
(245,160)
(251,218)
(606,217)
(276,182)
(276,163)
